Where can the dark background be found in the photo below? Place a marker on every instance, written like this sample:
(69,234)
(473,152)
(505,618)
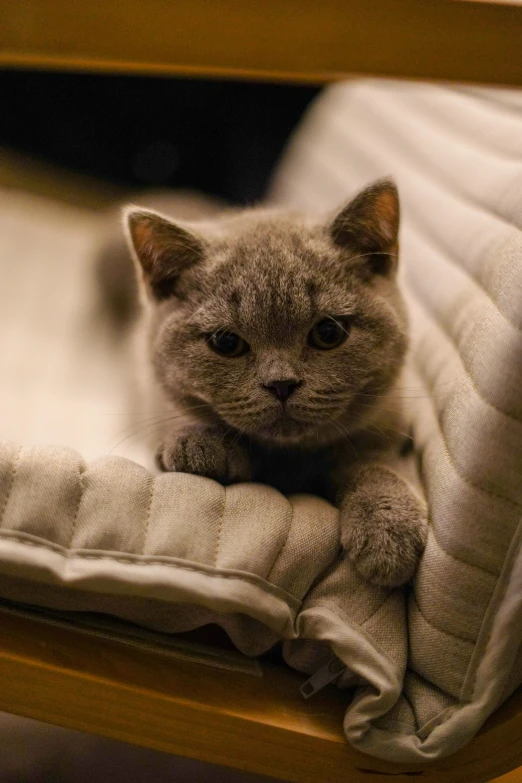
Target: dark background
(222,137)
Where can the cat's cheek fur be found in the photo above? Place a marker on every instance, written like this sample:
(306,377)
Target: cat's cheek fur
(384,525)
(181,363)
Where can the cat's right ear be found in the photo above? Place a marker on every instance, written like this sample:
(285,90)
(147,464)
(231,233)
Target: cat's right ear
(368,227)
(161,248)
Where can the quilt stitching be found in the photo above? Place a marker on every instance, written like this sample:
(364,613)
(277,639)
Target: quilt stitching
(450,456)
(461,559)
(220,526)
(486,618)
(129,560)
(285,542)
(471,642)
(444,327)
(149,509)
(76,513)
(434,239)
(11,482)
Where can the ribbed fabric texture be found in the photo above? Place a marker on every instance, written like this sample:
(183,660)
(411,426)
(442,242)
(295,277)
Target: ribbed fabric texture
(457,157)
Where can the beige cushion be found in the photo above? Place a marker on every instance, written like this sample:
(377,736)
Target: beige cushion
(113,530)
(457,157)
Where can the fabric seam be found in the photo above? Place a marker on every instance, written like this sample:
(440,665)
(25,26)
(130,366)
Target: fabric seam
(461,559)
(351,621)
(220,526)
(450,456)
(250,578)
(11,483)
(437,628)
(440,175)
(426,233)
(285,542)
(76,513)
(440,322)
(487,618)
(147,520)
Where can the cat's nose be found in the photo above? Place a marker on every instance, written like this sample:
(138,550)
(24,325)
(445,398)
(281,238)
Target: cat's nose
(282,389)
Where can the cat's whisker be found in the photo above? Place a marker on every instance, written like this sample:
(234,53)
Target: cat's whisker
(225,434)
(143,427)
(390,428)
(339,324)
(240,408)
(378,407)
(411,388)
(233,441)
(160,415)
(365,255)
(329,396)
(342,429)
(194,314)
(375,428)
(372,408)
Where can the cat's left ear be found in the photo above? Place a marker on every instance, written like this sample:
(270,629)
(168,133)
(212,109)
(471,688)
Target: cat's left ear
(368,227)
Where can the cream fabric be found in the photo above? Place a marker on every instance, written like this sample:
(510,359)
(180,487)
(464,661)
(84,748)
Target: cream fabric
(457,157)
(63,378)
(174,552)
(113,528)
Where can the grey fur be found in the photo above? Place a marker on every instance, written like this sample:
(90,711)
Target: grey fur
(270,276)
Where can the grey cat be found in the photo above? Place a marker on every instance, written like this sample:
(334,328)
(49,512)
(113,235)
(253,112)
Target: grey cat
(276,342)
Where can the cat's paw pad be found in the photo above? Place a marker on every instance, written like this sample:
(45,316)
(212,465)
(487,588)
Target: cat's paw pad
(205,453)
(384,540)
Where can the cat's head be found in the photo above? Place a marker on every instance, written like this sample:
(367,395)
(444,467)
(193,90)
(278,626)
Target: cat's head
(283,327)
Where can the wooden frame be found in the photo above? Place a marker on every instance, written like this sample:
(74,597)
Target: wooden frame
(293,40)
(92,684)
(261,725)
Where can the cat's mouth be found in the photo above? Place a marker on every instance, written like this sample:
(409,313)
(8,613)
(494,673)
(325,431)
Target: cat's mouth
(283,428)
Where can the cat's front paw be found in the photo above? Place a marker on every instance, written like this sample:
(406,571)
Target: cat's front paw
(384,536)
(206,453)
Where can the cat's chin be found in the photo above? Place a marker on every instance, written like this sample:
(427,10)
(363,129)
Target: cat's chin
(282,431)
(288,432)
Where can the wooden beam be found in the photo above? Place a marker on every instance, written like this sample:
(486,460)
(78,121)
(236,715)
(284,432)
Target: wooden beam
(291,40)
(61,676)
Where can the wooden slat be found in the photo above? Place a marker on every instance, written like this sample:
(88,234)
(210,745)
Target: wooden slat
(87,683)
(256,724)
(511,777)
(293,40)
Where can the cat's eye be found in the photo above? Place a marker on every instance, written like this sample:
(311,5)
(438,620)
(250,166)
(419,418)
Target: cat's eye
(228,344)
(328,334)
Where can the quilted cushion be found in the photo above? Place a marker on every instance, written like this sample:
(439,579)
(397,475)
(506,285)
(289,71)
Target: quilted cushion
(113,529)
(457,157)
